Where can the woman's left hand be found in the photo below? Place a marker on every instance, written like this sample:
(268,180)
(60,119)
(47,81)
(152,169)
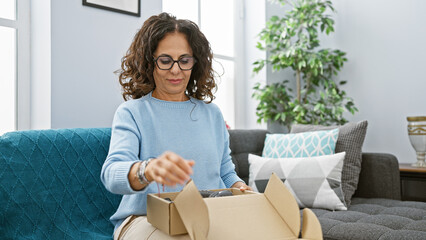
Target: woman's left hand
(242,186)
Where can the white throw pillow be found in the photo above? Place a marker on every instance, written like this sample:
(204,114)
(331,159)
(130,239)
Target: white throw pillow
(314,181)
(350,140)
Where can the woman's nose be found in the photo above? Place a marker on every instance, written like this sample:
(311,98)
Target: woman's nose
(175,68)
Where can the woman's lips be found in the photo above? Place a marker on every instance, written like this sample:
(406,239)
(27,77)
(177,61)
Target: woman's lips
(175,81)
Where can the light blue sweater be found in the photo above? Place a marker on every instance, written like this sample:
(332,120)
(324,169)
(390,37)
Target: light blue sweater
(147,127)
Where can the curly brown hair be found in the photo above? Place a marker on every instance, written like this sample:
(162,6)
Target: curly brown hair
(137,66)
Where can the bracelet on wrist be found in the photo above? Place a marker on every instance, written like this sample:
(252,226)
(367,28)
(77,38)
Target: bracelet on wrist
(141,172)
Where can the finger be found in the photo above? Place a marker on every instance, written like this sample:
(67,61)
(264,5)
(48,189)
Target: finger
(164,181)
(245,188)
(182,163)
(170,174)
(168,182)
(160,174)
(166,167)
(176,170)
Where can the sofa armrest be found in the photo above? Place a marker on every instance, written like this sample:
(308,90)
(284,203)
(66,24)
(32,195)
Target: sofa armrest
(379,177)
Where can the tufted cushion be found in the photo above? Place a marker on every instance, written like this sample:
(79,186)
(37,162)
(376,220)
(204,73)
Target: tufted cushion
(375,219)
(50,186)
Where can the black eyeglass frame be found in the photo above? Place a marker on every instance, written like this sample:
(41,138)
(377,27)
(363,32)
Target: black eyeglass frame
(175,61)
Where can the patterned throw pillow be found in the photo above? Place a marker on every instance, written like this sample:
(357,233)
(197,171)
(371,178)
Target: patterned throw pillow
(307,144)
(315,182)
(350,140)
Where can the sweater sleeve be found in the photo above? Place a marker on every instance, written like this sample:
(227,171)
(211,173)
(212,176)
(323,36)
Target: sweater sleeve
(123,153)
(227,170)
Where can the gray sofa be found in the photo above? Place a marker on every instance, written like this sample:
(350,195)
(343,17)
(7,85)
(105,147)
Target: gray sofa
(50,189)
(376,212)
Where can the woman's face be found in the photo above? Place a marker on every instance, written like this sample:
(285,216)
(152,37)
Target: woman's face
(171,84)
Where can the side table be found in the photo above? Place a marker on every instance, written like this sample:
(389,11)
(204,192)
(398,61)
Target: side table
(413,183)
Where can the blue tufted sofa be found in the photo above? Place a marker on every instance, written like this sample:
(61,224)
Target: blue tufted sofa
(50,186)
(50,189)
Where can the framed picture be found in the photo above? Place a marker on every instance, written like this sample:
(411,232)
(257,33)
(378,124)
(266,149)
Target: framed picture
(131,7)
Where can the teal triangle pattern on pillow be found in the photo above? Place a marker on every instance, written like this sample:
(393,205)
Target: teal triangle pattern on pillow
(294,145)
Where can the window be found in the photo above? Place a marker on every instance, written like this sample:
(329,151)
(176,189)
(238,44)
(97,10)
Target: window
(219,21)
(14,65)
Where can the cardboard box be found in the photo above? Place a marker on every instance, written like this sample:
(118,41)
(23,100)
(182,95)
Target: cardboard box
(163,214)
(272,215)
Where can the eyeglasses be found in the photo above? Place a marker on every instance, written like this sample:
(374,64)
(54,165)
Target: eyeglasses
(166,63)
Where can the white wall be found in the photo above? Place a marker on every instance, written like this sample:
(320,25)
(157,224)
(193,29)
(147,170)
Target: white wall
(254,15)
(86,47)
(385,72)
(384,41)
(40,113)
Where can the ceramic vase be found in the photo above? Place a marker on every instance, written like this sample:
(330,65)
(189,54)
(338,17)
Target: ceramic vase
(417,135)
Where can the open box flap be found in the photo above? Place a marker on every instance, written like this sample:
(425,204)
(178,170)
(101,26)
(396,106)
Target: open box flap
(284,203)
(193,211)
(311,226)
(276,206)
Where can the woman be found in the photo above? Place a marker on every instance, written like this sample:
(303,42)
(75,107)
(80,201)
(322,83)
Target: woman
(166,133)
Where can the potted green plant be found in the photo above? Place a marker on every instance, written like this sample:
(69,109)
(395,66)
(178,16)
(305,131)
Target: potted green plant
(292,42)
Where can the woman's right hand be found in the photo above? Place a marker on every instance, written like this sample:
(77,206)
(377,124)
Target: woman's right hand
(169,169)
